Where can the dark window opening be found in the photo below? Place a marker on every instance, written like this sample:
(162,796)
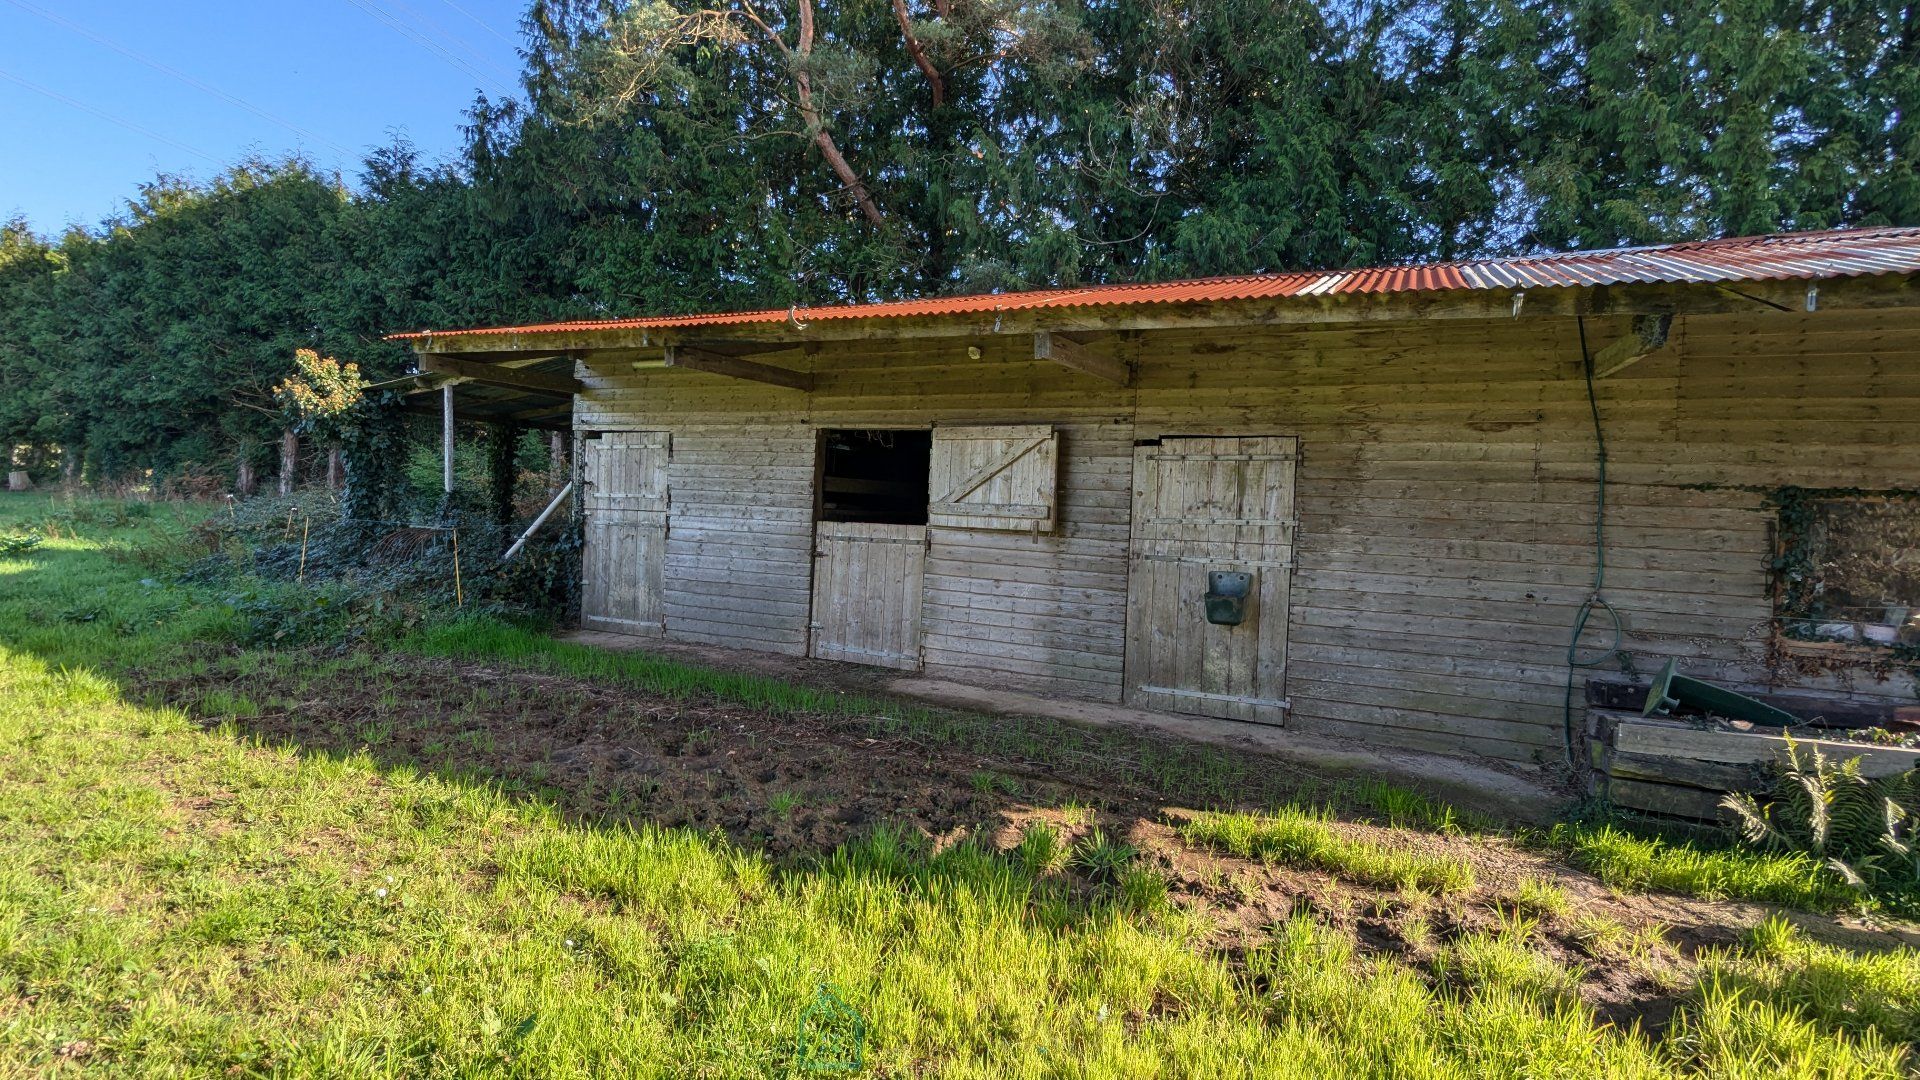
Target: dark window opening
(877,476)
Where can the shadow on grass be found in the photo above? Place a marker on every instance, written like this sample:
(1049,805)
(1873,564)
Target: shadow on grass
(655,759)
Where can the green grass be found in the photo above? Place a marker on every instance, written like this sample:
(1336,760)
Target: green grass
(1405,808)
(1638,863)
(179,899)
(1041,849)
(1864,994)
(1538,897)
(1308,838)
(1505,960)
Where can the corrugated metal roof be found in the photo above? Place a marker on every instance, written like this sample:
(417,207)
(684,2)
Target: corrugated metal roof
(1780,256)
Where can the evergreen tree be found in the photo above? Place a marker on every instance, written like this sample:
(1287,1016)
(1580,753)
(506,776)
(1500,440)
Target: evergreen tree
(666,156)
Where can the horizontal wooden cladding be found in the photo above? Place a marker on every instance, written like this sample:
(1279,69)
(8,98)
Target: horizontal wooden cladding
(1445,499)
(1047,609)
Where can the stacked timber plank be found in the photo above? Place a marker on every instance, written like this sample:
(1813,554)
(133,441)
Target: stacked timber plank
(1684,769)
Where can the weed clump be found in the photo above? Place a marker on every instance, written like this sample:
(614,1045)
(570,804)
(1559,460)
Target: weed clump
(1101,860)
(1307,838)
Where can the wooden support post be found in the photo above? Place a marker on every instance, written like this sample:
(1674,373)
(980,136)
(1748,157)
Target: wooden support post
(1648,336)
(713,363)
(1068,353)
(446,439)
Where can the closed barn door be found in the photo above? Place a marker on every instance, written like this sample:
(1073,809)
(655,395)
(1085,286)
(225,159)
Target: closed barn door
(624,477)
(866,592)
(1211,516)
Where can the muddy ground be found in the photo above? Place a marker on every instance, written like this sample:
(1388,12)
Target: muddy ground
(797,786)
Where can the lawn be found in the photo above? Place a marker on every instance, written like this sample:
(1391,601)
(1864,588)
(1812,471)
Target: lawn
(469,850)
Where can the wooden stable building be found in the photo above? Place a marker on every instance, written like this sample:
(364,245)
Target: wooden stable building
(1354,502)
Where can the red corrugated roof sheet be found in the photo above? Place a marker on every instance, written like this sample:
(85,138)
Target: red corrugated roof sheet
(1805,255)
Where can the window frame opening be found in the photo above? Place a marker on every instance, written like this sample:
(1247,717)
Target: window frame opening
(1822,572)
(873,475)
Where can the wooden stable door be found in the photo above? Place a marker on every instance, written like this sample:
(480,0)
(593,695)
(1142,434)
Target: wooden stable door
(866,592)
(624,493)
(1205,505)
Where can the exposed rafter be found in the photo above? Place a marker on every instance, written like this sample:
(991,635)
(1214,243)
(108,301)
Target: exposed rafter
(1649,335)
(495,375)
(1068,353)
(713,363)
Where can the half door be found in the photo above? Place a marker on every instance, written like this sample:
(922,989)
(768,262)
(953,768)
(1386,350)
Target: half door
(1209,573)
(624,494)
(870,546)
(866,592)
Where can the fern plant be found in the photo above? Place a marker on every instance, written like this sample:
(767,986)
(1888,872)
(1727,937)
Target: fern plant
(1861,826)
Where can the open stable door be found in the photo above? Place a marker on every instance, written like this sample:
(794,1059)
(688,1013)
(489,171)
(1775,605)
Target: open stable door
(1209,573)
(624,494)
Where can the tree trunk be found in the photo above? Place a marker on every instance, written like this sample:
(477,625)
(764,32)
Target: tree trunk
(244,481)
(69,467)
(336,469)
(289,460)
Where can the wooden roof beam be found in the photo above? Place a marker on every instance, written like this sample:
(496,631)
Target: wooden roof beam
(1071,354)
(1648,336)
(435,409)
(713,363)
(494,375)
(545,413)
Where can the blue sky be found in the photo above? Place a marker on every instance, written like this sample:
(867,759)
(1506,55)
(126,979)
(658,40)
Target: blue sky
(345,73)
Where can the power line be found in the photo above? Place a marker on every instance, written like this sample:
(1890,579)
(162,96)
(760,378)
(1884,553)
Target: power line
(484,25)
(180,75)
(107,116)
(408,32)
(456,43)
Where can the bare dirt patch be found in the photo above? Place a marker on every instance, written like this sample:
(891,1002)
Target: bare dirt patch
(796,786)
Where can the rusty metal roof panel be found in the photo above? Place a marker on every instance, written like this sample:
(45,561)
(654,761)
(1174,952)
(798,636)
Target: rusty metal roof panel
(1779,256)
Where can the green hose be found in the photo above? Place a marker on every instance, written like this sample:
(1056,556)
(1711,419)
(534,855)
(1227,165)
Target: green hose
(1596,599)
